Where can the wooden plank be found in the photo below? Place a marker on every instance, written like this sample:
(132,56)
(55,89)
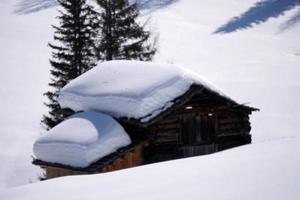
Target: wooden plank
(168,126)
(231,126)
(188,151)
(117,164)
(233,120)
(168,121)
(110,168)
(233,132)
(131,159)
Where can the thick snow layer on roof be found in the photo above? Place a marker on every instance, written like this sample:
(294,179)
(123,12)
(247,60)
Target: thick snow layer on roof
(81,139)
(132,89)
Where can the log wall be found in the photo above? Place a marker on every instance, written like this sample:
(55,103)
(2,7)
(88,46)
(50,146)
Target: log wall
(203,124)
(129,159)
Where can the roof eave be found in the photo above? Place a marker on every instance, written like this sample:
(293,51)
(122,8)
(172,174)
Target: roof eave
(179,101)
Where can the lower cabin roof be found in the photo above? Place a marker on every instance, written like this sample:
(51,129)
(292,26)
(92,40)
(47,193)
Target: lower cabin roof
(96,166)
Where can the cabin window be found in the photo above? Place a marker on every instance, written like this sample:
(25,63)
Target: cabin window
(196,129)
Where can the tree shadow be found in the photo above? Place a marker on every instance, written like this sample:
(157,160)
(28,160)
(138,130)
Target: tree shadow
(152,5)
(31,6)
(260,13)
(293,21)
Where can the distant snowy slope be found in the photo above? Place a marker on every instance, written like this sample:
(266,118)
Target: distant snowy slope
(268,170)
(23,80)
(259,65)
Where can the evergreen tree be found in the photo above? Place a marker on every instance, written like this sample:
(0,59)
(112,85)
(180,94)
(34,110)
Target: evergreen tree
(121,36)
(73,54)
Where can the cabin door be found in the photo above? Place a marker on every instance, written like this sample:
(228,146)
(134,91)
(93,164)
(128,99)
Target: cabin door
(197,129)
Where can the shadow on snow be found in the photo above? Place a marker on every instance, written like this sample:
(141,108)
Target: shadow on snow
(294,20)
(260,13)
(152,5)
(31,6)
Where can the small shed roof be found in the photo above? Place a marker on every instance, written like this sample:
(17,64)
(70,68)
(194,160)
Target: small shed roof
(81,139)
(131,89)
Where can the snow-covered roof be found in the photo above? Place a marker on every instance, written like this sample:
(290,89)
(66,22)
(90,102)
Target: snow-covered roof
(132,89)
(81,140)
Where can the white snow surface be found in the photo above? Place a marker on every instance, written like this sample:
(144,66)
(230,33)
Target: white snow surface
(81,139)
(267,170)
(131,89)
(259,64)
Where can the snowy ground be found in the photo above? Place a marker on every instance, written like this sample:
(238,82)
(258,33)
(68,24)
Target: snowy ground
(258,65)
(268,170)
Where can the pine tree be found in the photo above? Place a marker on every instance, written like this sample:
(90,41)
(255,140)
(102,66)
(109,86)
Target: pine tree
(121,36)
(73,54)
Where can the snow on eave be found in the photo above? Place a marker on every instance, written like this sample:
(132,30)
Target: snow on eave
(177,102)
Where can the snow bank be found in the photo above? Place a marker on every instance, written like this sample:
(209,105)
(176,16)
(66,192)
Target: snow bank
(261,171)
(132,89)
(81,139)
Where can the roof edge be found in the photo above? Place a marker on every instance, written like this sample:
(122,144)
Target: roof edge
(180,100)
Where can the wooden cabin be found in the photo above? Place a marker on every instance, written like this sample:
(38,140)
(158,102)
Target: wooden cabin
(199,122)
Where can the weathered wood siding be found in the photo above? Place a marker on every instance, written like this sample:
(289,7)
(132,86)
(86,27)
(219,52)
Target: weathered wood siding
(203,124)
(131,159)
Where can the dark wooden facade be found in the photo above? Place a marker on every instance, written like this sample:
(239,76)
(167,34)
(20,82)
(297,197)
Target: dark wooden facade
(200,122)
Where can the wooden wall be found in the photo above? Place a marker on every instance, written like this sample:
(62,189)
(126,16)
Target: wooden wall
(130,159)
(203,124)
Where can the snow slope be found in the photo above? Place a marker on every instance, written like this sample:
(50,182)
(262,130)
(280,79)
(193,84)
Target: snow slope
(258,65)
(23,79)
(268,170)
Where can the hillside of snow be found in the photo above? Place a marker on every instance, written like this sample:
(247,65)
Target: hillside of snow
(267,170)
(251,63)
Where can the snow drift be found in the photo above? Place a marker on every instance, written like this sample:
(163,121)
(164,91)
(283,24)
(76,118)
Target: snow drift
(131,89)
(81,139)
(261,171)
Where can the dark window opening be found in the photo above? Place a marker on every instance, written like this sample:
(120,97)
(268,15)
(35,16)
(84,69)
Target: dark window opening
(197,129)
